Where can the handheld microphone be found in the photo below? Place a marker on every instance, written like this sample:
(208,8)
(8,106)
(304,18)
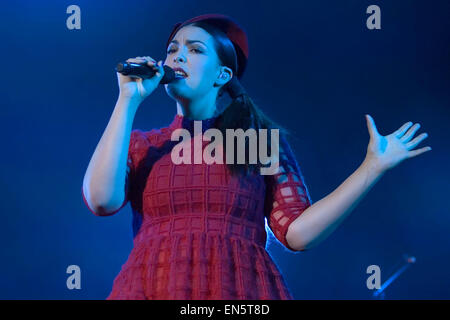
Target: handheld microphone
(144,71)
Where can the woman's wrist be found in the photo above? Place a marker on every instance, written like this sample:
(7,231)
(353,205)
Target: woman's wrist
(373,166)
(128,102)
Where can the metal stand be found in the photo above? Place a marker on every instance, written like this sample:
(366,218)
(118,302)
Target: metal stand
(407,261)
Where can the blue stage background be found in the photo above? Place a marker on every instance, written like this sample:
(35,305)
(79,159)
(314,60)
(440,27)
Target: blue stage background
(314,67)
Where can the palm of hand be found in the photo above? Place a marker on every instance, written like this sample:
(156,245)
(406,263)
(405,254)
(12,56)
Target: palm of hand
(389,151)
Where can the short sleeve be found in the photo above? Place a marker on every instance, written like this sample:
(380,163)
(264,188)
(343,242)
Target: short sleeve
(287,195)
(138,148)
(136,152)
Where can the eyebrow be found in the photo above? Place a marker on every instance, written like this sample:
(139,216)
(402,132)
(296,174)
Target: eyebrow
(189,42)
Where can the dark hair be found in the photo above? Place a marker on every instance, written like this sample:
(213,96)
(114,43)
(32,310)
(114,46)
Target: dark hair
(242,112)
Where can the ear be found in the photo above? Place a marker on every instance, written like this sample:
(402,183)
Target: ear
(224,75)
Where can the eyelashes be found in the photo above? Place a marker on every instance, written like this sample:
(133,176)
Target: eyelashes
(173,50)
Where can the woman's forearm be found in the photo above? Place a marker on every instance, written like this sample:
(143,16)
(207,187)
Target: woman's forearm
(319,220)
(104,180)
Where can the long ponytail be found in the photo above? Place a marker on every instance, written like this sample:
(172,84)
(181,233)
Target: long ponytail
(243,113)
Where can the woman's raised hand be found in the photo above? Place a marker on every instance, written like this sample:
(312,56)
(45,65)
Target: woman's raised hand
(385,152)
(137,89)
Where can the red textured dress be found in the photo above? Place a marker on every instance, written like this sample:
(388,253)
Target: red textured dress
(199,232)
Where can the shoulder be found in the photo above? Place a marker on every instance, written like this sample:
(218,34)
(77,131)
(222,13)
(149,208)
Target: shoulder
(154,137)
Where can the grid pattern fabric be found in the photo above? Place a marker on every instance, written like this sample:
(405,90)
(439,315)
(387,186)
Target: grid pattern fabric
(287,195)
(199,232)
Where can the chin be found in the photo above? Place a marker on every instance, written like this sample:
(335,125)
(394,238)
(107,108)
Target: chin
(184,91)
(177,93)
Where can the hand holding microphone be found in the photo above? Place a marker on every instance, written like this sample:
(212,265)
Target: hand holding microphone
(138,77)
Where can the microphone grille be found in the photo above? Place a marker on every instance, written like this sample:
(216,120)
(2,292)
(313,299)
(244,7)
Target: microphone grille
(119,67)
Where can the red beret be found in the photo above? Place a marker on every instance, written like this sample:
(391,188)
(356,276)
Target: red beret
(227,25)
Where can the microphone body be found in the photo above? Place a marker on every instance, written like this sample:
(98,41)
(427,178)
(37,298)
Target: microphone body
(144,71)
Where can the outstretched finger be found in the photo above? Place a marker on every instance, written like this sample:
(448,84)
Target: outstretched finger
(414,153)
(413,143)
(411,132)
(401,131)
(371,126)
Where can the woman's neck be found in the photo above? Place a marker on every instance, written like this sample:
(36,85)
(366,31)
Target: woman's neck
(197,110)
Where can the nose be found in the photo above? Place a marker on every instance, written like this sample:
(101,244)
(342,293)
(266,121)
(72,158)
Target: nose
(178,58)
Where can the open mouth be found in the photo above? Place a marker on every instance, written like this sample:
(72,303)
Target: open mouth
(180,74)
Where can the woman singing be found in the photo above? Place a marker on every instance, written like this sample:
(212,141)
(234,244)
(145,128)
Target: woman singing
(199,229)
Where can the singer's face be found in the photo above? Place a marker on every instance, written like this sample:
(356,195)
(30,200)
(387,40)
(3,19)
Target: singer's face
(192,49)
